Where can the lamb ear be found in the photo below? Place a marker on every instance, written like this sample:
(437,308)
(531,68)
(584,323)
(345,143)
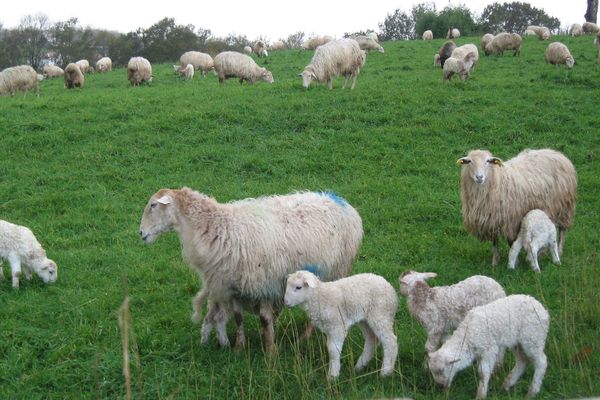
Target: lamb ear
(311,281)
(166,199)
(496,161)
(463,160)
(428,275)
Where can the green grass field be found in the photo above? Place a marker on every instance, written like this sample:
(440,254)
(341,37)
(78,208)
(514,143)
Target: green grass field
(78,167)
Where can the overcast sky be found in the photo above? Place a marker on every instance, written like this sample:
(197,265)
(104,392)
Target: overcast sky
(273,19)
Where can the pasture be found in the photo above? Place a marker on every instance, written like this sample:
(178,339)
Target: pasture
(78,167)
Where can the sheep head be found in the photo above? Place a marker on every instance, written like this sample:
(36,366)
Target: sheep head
(45,269)
(442,367)
(159,216)
(298,287)
(267,76)
(307,76)
(479,164)
(409,278)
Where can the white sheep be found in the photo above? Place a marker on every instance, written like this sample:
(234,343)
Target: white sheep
(373,36)
(338,57)
(314,42)
(230,64)
(84,66)
(277,45)
(485,39)
(461,53)
(365,299)
(20,248)
(537,233)
(245,249)
(436,60)
(576,30)
(440,309)
(504,41)
(104,64)
(21,78)
(139,70)
(557,54)
(52,71)
(459,66)
(453,33)
(187,72)
(427,35)
(529,32)
(496,195)
(590,27)
(201,61)
(247,50)
(260,49)
(516,322)
(542,32)
(367,43)
(73,76)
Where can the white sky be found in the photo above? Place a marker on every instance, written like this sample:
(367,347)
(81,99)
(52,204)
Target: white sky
(272,19)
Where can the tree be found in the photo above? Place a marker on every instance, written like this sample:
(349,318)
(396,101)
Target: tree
(424,16)
(32,38)
(294,41)
(514,17)
(70,42)
(454,17)
(591,14)
(397,26)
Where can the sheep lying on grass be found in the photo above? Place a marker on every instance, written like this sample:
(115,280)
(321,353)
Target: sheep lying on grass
(20,248)
(230,64)
(516,322)
(21,78)
(537,232)
(496,195)
(364,299)
(559,54)
(139,70)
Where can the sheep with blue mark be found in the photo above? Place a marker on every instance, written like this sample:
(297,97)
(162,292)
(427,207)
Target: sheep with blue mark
(244,250)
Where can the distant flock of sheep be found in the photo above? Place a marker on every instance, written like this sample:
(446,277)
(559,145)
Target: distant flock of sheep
(257,255)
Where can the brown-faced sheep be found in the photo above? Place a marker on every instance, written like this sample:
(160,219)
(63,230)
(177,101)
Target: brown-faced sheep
(446,51)
(504,41)
(139,70)
(73,76)
(21,78)
(558,54)
(229,64)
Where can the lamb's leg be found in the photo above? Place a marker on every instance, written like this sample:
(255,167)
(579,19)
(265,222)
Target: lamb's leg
(335,343)
(238,313)
(385,333)
(554,252)
(540,363)
(266,320)
(532,255)
(496,253)
(517,371)
(370,346)
(486,366)
(15,267)
(561,240)
(513,255)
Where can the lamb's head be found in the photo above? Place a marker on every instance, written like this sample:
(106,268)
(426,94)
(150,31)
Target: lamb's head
(307,76)
(46,269)
(442,367)
(409,278)
(479,165)
(159,216)
(299,285)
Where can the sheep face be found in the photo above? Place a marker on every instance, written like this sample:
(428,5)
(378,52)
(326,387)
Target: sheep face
(442,368)
(307,77)
(267,76)
(159,217)
(45,269)
(570,62)
(479,164)
(409,278)
(298,287)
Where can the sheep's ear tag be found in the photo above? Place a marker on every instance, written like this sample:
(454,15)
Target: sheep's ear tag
(497,161)
(164,200)
(463,161)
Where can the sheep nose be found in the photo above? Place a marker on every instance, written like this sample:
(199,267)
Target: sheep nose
(479,178)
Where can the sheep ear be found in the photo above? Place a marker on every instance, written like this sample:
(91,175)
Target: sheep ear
(300,74)
(428,275)
(166,199)
(311,282)
(496,161)
(463,160)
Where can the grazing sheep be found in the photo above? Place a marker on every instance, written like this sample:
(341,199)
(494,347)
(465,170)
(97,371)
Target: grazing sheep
(446,51)
(590,27)
(496,195)
(229,64)
(366,43)
(73,76)
(187,72)
(247,50)
(485,39)
(40,77)
(504,41)
(459,66)
(373,36)
(244,250)
(365,299)
(314,42)
(84,66)
(436,60)
(338,57)
(516,322)
(427,35)
(537,232)
(201,61)
(542,32)
(260,49)
(104,65)
(21,78)
(529,32)
(52,71)
(440,309)
(19,247)
(453,33)
(557,54)
(139,70)
(576,30)
(461,53)
(277,45)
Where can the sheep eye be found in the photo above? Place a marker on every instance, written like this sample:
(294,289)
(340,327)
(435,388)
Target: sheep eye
(298,287)
(152,205)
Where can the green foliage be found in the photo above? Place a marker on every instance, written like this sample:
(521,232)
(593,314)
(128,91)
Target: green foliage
(515,17)
(397,26)
(78,166)
(426,17)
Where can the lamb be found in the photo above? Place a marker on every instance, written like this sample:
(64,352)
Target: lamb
(453,33)
(517,322)
(233,64)
(427,35)
(21,78)
(590,27)
(201,61)
(576,30)
(459,66)
(314,42)
(537,232)
(52,71)
(557,54)
(446,51)
(504,41)
(104,64)
(542,32)
(485,39)
(139,70)
(84,66)
(260,49)
(338,57)
(496,195)
(441,309)
(19,247)
(365,299)
(247,50)
(244,250)
(187,72)
(461,53)
(366,43)
(73,76)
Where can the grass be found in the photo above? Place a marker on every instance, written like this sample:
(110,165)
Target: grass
(78,166)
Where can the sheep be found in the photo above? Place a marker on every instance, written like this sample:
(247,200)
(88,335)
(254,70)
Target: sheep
(277,45)
(504,41)
(453,33)
(542,32)
(40,77)
(516,322)
(365,299)
(187,72)
(576,30)
(440,309)
(73,76)
(233,64)
(537,232)
(459,66)
(139,70)
(529,32)
(201,61)
(260,49)
(461,53)
(427,35)
(84,66)
(20,248)
(446,51)
(52,71)
(590,27)
(366,43)
(21,78)
(338,57)
(104,64)
(373,36)
(314,42)
(247,50)
(244,250)
(557,54)
(496,195)
(436,60)
(485,39)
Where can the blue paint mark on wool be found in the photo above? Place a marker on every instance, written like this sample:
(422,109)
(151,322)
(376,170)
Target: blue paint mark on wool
(312,268)
(340,201)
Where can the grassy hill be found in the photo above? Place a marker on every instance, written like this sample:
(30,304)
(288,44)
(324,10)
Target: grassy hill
(78,167)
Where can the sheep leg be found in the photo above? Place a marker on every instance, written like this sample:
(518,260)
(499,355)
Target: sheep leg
(514,253)
(496,253)
(220,321)
(1,271)
(532,255)
(517,371)
(330,83)
(345,81)
(207,324)
(354,76)
(486,366)
(370,346)
(554,253)
(197,303)
(561,240)
(238,314)
(540,363)
(15,267)
(266,320)
(335,343)
(385,333)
